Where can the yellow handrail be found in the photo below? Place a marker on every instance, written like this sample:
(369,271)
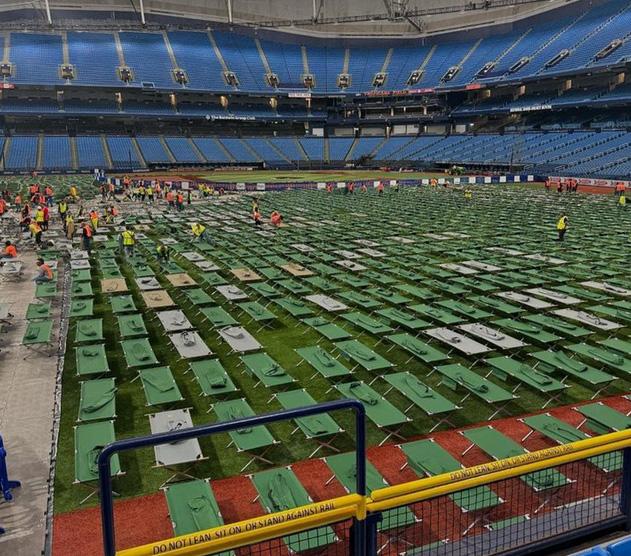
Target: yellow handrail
(254,530)
(303,518)
(447,483)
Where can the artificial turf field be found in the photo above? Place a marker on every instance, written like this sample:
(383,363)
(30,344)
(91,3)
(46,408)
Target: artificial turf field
(292,176)
(397,226)
(295,176)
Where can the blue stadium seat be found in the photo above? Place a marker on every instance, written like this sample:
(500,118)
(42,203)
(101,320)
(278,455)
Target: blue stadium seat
(56,153)
(152,150)
(22,153)
(314,147)
(285,60)
(37,58)
(242,57)
(365,146)
(90,152)
(338,147)
(264,149)
(211,149)
(444,57)
(195,54)
(288,146)
(238,150)
(122,152)
(146,54)
(181,149)
(94,57)
(364,63)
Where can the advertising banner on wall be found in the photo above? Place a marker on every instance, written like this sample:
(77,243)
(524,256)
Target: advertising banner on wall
(592,182)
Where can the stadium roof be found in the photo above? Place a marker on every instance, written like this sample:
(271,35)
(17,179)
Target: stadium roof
(330,17)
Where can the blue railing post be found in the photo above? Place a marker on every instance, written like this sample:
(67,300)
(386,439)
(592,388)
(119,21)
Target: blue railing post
(358,536)
(372,521)
(5,483)
(625,488)
(105,478)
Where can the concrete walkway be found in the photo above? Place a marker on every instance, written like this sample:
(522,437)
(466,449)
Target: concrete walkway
(27,397)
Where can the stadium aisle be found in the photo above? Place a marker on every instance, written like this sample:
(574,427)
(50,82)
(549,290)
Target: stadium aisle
(27,399)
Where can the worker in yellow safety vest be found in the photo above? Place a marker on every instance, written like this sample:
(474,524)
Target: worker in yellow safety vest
(128,238)
(562,226)
(39,216)
(199,231)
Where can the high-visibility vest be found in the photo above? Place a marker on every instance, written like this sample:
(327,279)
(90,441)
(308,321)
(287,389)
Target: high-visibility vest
(562,223)
(39,216)
(47,271)
(622,201)
(198,229)
(63,207)
(10,251)
(87,231)
(128,237)
(170,197)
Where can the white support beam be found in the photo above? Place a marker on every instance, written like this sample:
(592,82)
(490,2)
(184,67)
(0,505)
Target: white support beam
(48,16)
(229,6)
(317,9)
(142,13)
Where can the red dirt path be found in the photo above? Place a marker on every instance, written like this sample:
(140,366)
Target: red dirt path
(145,519)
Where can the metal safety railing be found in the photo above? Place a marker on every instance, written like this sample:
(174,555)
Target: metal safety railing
(254,530)
(511,506)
